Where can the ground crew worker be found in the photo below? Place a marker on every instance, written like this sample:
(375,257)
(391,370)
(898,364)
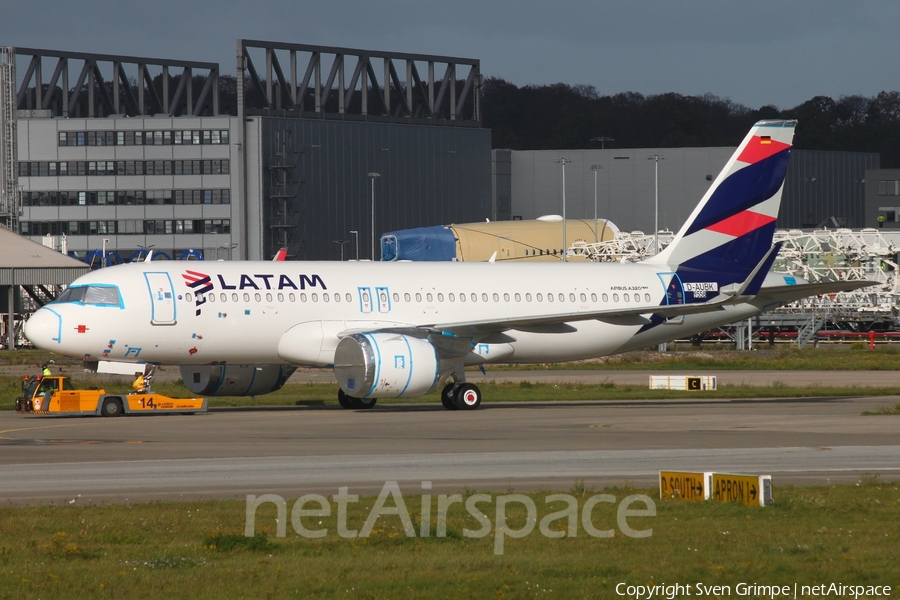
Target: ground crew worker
(139,385)
(881,220)
(45,370)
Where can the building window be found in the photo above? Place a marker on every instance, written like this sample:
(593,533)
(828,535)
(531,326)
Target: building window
(889,187)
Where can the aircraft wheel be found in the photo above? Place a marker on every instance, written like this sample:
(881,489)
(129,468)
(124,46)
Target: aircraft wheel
(111,408)
(447,397)
(363,402)
(344,400)
(468,397)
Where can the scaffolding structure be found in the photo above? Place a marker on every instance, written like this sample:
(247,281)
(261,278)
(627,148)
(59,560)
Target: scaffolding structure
(287,230)
(819,255)
(9,172)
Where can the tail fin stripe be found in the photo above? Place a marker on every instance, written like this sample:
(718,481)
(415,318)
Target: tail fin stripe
(741,223)
(760,148)
(742,190)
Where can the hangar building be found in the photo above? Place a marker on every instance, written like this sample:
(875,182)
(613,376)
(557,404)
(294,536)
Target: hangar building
(819,186)
(309,148)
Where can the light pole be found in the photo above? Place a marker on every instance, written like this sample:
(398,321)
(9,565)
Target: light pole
(341,242)
(563,162)
(229,247)
(596,168)
(656,158)
(355,235)
(373,176)
(103,258)
(602,139)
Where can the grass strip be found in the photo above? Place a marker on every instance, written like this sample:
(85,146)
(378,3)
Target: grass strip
(811,535)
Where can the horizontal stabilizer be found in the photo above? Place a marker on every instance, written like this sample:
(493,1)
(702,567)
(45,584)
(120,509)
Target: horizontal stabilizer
(789,293)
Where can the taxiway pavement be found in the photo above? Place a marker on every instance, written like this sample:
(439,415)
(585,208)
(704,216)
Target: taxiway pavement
(295,450)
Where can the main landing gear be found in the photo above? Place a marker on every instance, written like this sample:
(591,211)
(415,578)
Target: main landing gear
(461,396)
(454,396)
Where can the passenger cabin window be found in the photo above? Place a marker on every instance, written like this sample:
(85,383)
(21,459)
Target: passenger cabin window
(95,295)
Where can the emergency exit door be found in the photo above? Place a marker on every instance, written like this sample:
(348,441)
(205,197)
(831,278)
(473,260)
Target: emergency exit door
(162,298)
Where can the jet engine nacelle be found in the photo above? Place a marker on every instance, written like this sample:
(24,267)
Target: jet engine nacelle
(235,380)
(385,365)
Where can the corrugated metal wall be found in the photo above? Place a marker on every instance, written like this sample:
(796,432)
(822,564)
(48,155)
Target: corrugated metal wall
(820,185)
(430,175)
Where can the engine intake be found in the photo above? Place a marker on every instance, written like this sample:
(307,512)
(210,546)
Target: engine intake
(385,365)
(235,380)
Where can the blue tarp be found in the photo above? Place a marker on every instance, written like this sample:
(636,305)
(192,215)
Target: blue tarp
(422,244)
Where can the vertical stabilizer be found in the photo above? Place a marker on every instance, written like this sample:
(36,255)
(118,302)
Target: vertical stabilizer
(731,230)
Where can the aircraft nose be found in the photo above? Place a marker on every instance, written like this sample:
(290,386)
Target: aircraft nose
(44,329)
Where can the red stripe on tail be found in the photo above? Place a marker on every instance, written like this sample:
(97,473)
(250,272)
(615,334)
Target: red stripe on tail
(741,223)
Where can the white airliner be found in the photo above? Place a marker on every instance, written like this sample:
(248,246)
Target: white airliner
(405,329)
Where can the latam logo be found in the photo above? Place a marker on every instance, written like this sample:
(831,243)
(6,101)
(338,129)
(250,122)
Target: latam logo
(201,283)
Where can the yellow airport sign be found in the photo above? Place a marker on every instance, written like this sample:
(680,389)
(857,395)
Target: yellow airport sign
(684,485)
(752,490)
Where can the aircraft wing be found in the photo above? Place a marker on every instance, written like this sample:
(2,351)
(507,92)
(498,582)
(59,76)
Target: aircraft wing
(789,293)
(639,315)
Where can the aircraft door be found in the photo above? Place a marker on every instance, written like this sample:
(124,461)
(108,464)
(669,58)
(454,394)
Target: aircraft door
(384,299)
(674,289)
(365,299)
(162,298)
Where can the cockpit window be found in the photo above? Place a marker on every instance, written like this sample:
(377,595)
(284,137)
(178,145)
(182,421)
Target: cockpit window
(98,295)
